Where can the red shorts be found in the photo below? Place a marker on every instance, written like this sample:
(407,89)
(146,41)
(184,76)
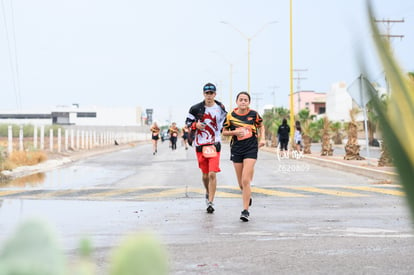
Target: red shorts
(208,164)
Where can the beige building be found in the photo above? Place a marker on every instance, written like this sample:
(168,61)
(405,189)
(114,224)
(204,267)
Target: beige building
(311,100)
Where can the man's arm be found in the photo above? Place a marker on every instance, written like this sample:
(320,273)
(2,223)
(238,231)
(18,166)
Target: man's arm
(190,121)
(192,118)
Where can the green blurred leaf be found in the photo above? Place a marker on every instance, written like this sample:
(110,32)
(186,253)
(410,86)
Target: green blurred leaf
(396,119)
(84,265)
(32,250)
(139,254)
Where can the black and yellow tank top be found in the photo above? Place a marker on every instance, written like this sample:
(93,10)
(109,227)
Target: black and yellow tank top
(250,120)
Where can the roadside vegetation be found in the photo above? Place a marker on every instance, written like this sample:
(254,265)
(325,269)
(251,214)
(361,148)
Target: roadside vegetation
(29,156)
(22,158)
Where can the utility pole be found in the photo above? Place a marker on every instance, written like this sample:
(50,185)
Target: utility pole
(274,94)
(299,78)
(388,23)
(255,97)
(389,36)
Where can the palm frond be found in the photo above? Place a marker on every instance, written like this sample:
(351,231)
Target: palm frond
(396,120)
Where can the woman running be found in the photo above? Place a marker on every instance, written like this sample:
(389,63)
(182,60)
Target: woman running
(245,127)
(155,130)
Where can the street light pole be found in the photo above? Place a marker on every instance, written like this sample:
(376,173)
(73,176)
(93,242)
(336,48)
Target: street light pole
(230,79)
(231,87)
(292,118)
(248,64)
(249,39)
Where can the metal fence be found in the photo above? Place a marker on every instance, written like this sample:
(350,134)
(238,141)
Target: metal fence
(74,137)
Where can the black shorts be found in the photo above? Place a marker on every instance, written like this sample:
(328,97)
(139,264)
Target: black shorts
(155,137)
(238,157)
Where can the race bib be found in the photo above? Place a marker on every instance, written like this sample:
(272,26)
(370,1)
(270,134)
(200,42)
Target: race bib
(209,151)
(247,134)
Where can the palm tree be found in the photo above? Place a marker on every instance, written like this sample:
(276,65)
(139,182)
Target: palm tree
(269,124)
(352,148)
(385,158)
(307,140)
(336,128)
(372,122)
(303,116)
(315,128)
(326,140)
(305,119)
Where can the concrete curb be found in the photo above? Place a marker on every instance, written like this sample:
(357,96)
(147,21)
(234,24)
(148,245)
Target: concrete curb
(356,169)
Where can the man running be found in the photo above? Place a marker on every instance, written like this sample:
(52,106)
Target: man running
(206,120)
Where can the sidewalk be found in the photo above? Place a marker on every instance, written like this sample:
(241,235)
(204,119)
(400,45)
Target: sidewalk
(367,167)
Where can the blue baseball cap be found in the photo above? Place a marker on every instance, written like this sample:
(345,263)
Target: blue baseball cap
(209,87)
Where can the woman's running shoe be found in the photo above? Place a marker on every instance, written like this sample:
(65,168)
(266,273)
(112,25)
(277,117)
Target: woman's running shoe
(244,215)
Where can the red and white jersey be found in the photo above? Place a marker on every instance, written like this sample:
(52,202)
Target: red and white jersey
(213,119)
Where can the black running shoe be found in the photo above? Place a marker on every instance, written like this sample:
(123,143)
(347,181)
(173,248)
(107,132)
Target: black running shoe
(250,202)
(244,215)
(210,208)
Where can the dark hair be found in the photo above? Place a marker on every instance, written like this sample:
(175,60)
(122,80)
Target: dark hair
(297,125)
(284,121)
(243,93)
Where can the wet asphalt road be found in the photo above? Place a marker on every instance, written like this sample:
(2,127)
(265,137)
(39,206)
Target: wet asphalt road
(305,219)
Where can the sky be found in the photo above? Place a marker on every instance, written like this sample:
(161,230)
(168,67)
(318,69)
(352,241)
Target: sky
(158,54)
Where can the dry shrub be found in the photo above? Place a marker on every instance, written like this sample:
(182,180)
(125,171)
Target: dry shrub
(23,158)
(7,165)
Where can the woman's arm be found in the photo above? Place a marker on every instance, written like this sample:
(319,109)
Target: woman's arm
(239,132)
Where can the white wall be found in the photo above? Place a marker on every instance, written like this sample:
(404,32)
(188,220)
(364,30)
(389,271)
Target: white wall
(109,117)
(104,116)
(338,102)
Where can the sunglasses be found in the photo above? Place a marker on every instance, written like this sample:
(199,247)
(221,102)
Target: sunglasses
(209,87)
(209,92)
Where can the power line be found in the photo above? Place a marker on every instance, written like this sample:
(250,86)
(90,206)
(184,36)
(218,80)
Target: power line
(12,61)
(16,60)
(255,97)
(389,36)
(273,93)
(299,78)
